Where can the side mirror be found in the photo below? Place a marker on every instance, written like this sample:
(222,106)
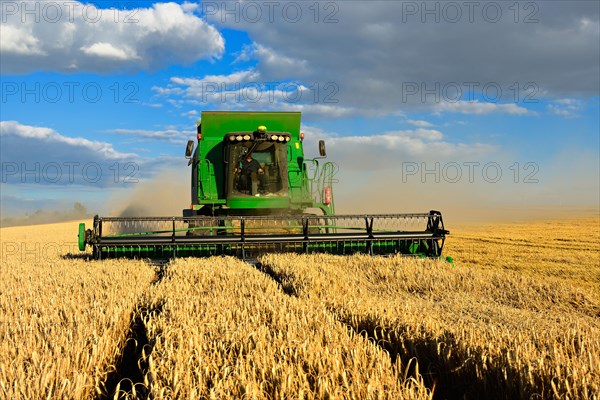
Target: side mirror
(189,148)
(322,151)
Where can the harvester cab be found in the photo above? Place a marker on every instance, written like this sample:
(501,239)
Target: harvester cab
(251,163)
(257,166)
(253,191)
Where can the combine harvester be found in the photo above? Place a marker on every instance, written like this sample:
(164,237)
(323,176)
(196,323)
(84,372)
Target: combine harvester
(273,201)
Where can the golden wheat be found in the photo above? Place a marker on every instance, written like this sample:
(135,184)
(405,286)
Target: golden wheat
(565,249)
(514,333)
(63,320)
(518,316)
(225,330)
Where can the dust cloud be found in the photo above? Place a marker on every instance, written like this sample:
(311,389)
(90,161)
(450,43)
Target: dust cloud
(560,193)
(463,202)
(555,196)
(39,217)
(164,195)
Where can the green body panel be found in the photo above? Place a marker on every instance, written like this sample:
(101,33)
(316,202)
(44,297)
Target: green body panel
(258,202)
(216,124)
(207,184)
(209,191)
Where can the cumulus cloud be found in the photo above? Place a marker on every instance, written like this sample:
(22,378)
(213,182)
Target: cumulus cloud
(34,155)
(568,108)
(107,50)
(372,50)
(273,63)
(78,37)
(49,141)
(45,170)
(169,135)
(247,90)
(217,82)
(481,108)
(20,41)
(419,123)
(386,150)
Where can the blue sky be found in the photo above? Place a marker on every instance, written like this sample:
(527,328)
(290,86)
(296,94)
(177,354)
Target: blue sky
(389,85)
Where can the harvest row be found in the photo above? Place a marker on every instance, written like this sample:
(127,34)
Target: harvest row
(486,333)
(226,330)
(63,325)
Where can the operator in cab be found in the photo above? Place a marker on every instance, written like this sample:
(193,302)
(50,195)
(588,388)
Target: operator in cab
(251,174)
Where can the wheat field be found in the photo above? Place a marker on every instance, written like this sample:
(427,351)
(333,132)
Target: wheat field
(517,316)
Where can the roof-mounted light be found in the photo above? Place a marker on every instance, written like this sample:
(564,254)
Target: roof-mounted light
(246,137)
(301,135)
(239,138)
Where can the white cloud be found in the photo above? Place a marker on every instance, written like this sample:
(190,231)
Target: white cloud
(481,108)
(235,78)
(384,151)
(371,49)
(419,123)
(273,63)
(39,159)
(411,144)
(18,40)
(568,108)
(153,105)
(193,114)
(190,7)
(79,37)
(169,135)
(107,50)
(247,90)
(317,111)
(34,137)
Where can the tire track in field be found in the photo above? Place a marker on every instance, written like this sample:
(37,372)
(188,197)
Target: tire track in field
(129,379)
(370,334)
(446,373)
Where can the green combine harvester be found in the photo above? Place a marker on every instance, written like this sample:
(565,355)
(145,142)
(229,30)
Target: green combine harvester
(254,192)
